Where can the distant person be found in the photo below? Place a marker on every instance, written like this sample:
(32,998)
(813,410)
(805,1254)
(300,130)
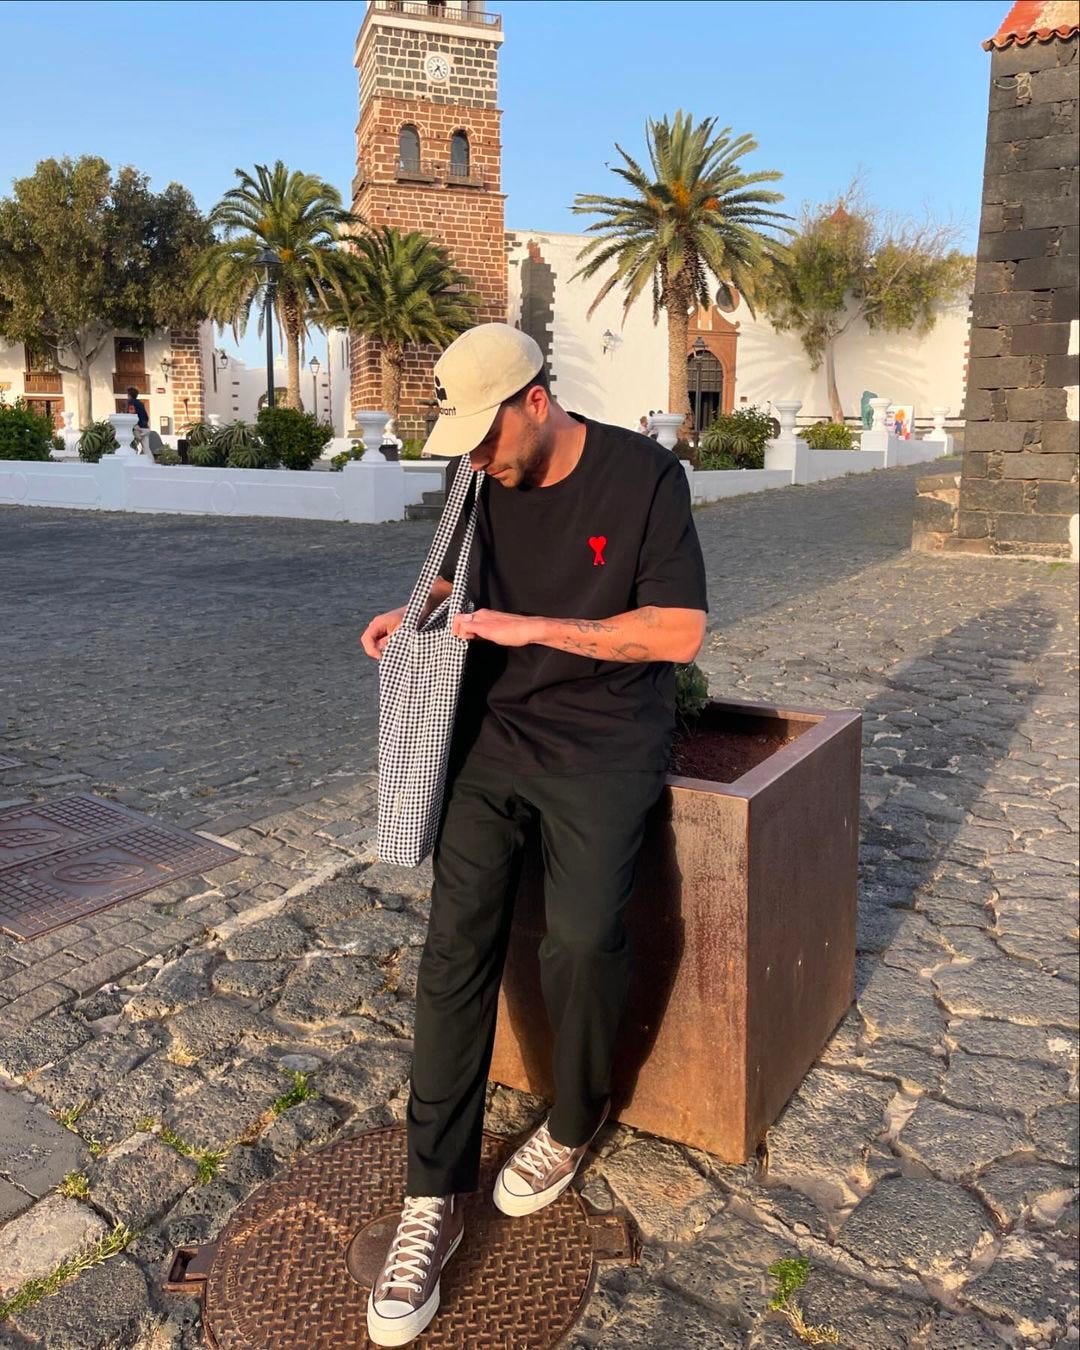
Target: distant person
(142,426)
(643,425)
(651,428)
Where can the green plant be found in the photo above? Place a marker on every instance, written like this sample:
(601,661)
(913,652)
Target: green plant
(691,693)
(338,462)
(24,433)
(86,254)
(693,219)
(300,1091)
(790,1274)
(828,436)
(76,1186)
(57,443)
(33,1291)
(405,291)
(239,446)
(736,440)
(199,433)
(207,1160)
(299,216)
(70,1116)
(295,439)
(96,440)
(850,262)
(167,456)
(412,448)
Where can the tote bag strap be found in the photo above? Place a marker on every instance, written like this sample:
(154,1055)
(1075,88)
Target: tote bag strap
(464,480)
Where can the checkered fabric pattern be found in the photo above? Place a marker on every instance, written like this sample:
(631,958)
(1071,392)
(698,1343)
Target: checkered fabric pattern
(419,681)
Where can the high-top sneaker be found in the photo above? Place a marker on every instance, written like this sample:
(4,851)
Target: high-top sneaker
(538,1172)
(405,1296)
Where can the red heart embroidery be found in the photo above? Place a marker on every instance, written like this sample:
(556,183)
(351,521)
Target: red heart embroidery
(598,543)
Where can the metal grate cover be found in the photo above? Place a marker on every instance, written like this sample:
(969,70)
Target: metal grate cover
(294,1264)
(65,859)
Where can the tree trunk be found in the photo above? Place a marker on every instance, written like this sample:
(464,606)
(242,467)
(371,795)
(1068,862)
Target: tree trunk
(84,393)
(678,340)
(292,350)
(391,368)
(835,408)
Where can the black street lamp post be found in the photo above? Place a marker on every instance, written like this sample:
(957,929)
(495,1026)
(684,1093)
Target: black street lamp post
(315,365)
(700,350)
(269,262)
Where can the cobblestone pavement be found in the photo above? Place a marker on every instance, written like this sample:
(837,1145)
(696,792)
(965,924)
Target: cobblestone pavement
(926,1169)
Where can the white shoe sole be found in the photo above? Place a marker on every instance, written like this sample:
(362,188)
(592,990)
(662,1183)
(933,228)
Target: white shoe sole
(517,1206)
(402,1330)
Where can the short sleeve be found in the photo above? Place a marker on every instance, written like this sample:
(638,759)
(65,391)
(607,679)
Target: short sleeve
(671,570)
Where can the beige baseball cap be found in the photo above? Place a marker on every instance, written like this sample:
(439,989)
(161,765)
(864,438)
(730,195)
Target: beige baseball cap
(476,374)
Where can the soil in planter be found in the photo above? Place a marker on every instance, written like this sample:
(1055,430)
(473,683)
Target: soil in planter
(722,747)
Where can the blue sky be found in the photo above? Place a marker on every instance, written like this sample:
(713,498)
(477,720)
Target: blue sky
(896,89)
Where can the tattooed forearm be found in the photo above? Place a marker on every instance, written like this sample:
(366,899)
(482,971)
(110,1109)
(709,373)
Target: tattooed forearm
(647,634)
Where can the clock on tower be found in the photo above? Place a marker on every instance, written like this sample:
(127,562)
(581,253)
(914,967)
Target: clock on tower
(428,158)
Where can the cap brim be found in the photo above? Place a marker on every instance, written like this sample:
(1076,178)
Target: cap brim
(455,436)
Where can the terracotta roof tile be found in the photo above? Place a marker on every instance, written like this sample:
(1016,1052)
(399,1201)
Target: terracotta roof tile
(1036,21)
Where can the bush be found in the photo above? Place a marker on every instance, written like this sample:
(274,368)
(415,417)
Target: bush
(828,436)
(57,444)
(24,434)
(97,439)
(338,462)
(411,448)
(239,446)
(293,438)
(736,440)
(199,433)
(691,693)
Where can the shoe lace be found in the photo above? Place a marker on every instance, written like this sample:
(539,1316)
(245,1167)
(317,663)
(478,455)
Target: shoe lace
(540,1155)
(410,1253)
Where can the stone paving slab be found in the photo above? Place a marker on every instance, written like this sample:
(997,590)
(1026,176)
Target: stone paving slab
(927,1167)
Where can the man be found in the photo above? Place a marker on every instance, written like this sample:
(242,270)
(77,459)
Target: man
(589,586)
(142,426)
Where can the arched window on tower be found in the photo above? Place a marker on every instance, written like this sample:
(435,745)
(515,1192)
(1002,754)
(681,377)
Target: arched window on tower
(409,149)
(459,155)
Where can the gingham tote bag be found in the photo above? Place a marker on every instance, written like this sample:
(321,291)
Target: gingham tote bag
(420,676)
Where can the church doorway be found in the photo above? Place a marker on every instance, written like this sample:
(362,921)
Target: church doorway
(705,379)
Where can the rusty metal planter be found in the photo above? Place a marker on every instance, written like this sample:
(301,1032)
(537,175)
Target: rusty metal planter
(743,927)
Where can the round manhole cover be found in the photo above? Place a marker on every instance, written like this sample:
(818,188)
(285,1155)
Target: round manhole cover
(294,1264)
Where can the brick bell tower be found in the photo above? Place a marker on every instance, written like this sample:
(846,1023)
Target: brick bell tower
(428,158)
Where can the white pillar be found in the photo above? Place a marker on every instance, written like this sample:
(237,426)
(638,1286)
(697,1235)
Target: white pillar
(787,451)
(123,424)
(787,409)
(369,430)
(667,428)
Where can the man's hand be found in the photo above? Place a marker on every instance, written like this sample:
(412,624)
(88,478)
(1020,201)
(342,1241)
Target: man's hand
(506,630)
(375,635)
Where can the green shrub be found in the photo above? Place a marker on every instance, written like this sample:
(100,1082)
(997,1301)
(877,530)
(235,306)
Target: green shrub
(338,462)
(828,436)
(736,440)
(24,433)
(199,433)
(239,446)
(166,456)
(691,692)
(293,438)
(57,443)
(411,448)
(96,440)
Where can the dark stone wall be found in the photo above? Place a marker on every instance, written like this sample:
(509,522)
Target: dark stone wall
(1018,488)
(538,302)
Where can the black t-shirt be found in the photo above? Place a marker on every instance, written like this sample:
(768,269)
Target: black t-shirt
(138,407)
(616,534)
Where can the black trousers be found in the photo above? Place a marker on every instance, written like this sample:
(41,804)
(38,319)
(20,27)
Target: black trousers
(591,828)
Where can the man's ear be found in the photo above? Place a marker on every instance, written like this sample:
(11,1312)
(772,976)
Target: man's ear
(538,402)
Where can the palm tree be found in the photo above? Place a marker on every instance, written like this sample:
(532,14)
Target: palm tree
(404,291)
(299,216)
(693,215)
